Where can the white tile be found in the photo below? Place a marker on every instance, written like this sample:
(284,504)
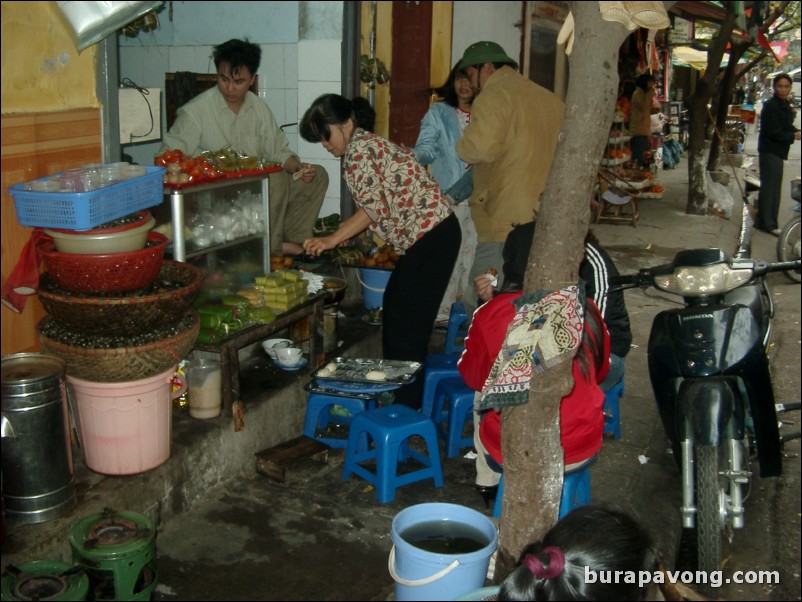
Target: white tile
(275,100)
(291,104)
(182,58)
(272,67)
(132,61)
(291,65)
(156,64)
(319,60)
(308,91)
(331,204)
(203,60)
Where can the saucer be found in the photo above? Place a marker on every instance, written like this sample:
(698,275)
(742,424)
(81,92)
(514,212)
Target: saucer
(299,366)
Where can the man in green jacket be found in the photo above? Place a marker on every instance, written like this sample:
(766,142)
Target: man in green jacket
(510,141)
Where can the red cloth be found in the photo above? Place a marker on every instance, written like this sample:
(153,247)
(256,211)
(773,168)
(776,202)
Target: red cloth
(24,279)
(581,413)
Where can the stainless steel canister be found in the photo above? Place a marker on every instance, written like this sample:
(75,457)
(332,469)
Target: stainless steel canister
(37,453)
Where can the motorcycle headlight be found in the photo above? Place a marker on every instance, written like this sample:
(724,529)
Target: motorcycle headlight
(703,281)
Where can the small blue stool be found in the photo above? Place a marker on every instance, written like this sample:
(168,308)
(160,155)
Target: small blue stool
(318,414)
(390,428)
(453,407)
(443,365)
(612,414)
(436,367)
(576,490)
(457,328)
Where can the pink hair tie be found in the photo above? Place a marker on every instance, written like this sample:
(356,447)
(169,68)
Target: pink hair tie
(556,563)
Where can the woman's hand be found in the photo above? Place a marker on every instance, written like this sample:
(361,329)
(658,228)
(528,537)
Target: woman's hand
(315,246)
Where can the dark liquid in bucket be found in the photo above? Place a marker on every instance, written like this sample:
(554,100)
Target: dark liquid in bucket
(445,537)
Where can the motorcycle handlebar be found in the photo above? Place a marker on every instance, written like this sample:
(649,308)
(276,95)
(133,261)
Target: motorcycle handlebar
(642,279)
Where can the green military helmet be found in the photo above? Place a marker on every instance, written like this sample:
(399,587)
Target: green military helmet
(485,52)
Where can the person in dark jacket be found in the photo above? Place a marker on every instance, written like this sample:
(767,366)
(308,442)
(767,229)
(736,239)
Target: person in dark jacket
(777,133)
(596,269)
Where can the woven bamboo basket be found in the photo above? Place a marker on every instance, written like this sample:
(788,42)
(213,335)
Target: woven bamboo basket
(165,302)
(124,363)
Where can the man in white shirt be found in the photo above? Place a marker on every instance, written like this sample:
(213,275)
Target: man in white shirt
(232,116)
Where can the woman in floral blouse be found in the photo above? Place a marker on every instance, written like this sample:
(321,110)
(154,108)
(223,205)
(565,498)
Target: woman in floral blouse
(403,205)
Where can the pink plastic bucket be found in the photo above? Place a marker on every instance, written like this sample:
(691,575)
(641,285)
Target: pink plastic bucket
(124,427)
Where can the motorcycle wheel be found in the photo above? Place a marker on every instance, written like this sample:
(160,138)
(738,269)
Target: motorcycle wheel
(788,246)
(708,502)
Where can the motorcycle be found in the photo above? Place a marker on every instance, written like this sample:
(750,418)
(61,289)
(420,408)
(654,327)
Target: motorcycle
(709,370)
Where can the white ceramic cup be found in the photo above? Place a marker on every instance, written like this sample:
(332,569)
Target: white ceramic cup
(289,356)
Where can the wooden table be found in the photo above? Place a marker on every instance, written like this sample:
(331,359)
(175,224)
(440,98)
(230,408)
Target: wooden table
(229,346)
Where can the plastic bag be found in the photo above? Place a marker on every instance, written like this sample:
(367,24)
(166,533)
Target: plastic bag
(719,197)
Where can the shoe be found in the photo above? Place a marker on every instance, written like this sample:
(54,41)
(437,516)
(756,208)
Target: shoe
(775,232)
(488,493)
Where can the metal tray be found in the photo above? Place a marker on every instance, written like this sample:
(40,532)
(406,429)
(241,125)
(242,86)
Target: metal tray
(354,370)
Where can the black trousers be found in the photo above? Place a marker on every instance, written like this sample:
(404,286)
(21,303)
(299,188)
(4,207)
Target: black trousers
(412,298)
(768,200)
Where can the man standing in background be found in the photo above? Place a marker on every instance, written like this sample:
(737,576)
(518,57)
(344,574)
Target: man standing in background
(511,140)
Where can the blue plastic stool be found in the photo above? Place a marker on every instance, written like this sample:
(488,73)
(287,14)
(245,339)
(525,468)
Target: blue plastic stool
(390,428)
(576,490)
(436,367)
(612,414)
(453,407)
(457,328)
(444,365)
(318,414)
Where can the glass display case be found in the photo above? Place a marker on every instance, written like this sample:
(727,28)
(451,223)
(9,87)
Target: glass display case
(221,227)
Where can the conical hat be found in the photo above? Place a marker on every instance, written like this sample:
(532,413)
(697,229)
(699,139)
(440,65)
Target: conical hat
(615,11)
(649,15)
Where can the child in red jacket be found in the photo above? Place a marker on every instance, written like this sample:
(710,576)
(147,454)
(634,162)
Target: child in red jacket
(581,413)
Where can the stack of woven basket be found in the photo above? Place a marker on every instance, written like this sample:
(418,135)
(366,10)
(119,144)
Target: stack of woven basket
(117,317)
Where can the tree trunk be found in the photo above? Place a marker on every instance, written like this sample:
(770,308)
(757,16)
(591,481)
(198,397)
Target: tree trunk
(699,120)
(724,97)
(533,455)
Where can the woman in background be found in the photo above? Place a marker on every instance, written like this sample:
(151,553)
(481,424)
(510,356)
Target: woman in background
(441,127)
(404,206)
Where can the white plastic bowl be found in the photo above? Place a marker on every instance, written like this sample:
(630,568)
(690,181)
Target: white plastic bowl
(100,243)
(269,345)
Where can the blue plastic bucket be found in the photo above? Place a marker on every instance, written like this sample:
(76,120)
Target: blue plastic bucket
(421,574)
(373,284)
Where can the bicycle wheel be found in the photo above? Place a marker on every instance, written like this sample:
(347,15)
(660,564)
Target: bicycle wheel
(708,504)
(788,246)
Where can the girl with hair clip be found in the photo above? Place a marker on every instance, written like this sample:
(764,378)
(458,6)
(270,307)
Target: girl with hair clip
(399,201)
(591,539)
(579,556)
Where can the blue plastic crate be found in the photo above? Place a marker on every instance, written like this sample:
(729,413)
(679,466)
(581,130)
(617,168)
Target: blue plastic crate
(86,210)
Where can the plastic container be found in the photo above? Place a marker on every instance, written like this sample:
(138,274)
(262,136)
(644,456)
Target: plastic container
(204,383)
(124,427)
(85,210)
(373,282)
(108,272)
(112,240)
(421,574)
